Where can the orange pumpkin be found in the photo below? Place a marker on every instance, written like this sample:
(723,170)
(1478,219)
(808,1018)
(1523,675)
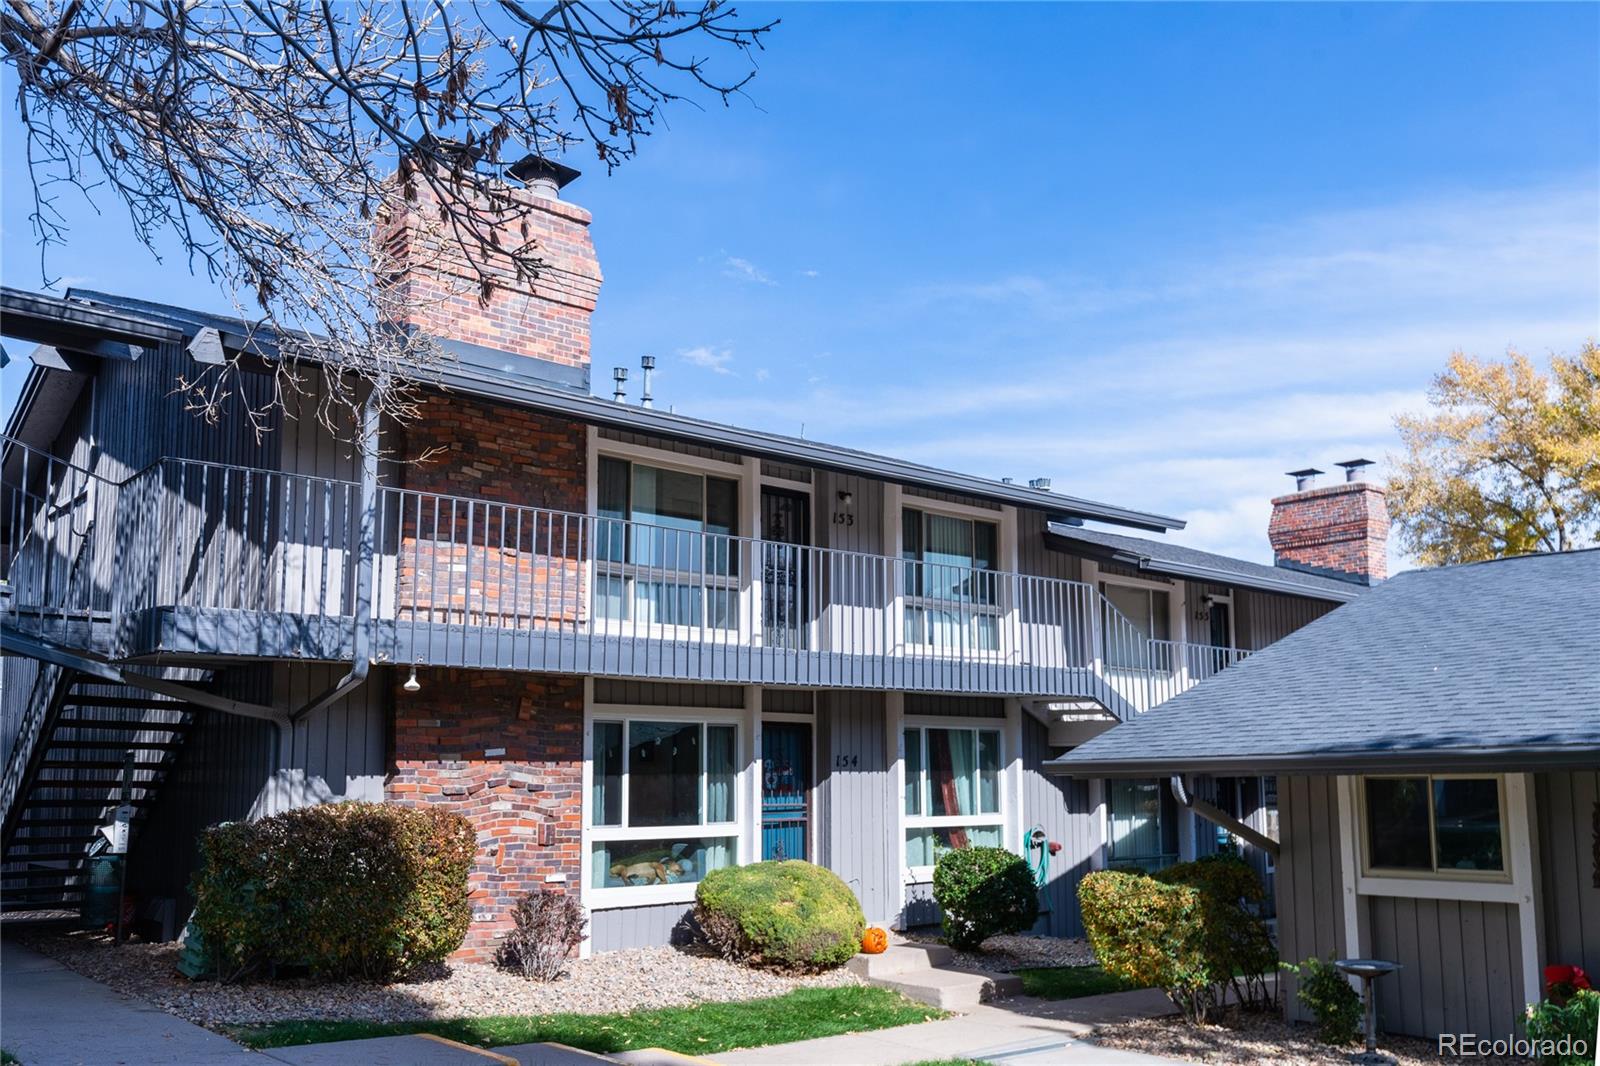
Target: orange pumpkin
(874,941)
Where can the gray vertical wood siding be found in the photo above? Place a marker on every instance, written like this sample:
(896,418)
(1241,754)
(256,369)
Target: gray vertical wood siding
(866,533)
(853,799)
(1566,813)
(1036,558)
(618,928)
(1059,806)
(1262,618)
(1309,899)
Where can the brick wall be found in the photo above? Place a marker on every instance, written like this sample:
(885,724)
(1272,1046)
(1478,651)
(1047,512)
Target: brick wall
(437,289)
(505,750)
(1342,528)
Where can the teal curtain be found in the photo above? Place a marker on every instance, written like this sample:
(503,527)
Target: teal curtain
(952,766)
(1135,806)
(721,767)
(913,742)
(605,800)
(988,771)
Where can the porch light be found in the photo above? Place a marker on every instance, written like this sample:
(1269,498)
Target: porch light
(412,684)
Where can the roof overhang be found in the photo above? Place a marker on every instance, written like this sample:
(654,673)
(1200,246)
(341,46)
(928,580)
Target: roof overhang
(75,323)
(1501,759)
(1063,537)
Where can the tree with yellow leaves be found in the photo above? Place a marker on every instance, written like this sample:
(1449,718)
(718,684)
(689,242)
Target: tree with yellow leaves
(1506,462)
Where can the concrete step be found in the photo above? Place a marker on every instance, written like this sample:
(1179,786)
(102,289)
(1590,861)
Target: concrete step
(951,989)
(899,959)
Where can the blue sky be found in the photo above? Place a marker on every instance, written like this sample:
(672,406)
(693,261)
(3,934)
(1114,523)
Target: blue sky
(1159,253)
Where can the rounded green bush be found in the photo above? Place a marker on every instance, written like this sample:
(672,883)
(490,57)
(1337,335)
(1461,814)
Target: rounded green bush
(789,915)
(984,892)
(367,890)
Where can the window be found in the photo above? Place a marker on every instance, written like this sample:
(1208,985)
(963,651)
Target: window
(1143,830)
(950,584)
(662,801)
(1149,612)
(662,546)
(1435,826)
(952,798)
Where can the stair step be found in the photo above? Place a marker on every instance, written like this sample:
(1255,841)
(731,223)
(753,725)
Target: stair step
(141,702)
(118,745)
(138,801)
(38,876)
(122,725)
(93,764)
(952,989)
(899,959)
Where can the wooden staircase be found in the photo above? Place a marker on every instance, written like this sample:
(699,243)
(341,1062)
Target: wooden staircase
(71,785)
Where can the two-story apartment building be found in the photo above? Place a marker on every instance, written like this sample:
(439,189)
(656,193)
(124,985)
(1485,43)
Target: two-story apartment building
(632,646)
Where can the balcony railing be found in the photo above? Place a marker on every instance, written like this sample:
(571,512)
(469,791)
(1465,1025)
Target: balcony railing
(249,561)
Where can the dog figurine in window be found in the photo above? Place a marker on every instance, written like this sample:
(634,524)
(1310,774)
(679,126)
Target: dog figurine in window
(640,873)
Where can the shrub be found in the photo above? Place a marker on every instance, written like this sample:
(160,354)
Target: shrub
(789,915)
(548,926)
(1327,994)
(1150,934)
(984,892)
(1237,945)
(345,890)
(1570,1027)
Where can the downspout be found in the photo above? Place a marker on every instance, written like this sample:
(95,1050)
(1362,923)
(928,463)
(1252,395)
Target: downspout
(1217,816)
(361,641)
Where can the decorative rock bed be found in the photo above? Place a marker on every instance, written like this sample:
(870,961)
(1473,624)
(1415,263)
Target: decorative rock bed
(617,981)
(1007,954)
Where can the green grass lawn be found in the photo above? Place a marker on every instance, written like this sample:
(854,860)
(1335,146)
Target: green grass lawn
(1070,982)
(710,1027)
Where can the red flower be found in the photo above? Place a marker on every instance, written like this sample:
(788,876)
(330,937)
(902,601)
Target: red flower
(1565,979)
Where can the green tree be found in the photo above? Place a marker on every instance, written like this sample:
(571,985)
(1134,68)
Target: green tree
(1507,461)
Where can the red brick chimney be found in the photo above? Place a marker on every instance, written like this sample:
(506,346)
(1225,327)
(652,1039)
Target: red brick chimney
(1336,530)
(545,318)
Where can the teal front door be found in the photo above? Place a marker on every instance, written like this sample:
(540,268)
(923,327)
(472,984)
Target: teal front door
(785,789)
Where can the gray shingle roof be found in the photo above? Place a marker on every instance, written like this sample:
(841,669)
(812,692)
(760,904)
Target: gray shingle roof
(1164,557)
(1489,665)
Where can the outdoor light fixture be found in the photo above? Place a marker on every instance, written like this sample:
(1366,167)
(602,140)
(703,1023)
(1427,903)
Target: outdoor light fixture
(412,684)
(846,498)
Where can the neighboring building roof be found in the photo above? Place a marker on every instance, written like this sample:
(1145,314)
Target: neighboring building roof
(1490,666)
(483,372)
(1175,560)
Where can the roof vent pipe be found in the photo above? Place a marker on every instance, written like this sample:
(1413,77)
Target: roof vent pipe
(647,363)
(619,374)
(1040,483)
(1303,479)
(1353,468)
(1006,481)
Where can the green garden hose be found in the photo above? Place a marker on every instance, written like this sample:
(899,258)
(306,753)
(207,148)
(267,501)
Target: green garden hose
(1035,840)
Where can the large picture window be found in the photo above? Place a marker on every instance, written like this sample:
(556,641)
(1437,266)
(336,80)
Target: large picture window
(952,797)
(950,583)
(1149,611)
(1434,826)
(1143,824)
(663,553)
(662,801)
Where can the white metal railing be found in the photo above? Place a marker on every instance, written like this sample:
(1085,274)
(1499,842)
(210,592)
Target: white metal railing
(463,580)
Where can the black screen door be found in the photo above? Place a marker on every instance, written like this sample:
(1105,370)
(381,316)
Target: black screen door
(785,533)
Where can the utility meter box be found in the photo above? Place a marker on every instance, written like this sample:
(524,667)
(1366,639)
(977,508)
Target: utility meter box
(116,833)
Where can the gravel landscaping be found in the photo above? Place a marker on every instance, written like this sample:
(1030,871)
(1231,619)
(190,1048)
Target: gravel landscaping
(617,981)
(1005,954)
(1252,1039)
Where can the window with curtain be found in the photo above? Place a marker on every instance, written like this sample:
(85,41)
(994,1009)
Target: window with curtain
(1435,826)
(662,549)
(952,798)
(1143,826)
(950,583)
(1149,612)
(662,806)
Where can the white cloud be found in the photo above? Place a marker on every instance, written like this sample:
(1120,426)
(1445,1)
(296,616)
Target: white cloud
(744,270)
(810,274)
(715,360)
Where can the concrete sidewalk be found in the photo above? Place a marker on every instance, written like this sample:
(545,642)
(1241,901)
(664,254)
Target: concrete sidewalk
(1017,1030)
(51,1016)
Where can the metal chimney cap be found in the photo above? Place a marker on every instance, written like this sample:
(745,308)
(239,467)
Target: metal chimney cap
(533,170)
(1352,468)
(1040,483)
(648,362)
(1302,478)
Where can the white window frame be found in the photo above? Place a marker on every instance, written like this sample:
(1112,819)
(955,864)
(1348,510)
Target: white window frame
(1004,521)
(596,895)
(739,584)
(1000,818)
(1175,614)
(1369,872)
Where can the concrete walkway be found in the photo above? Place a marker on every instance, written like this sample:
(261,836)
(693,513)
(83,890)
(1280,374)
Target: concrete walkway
(51,1016)
(1017,1030)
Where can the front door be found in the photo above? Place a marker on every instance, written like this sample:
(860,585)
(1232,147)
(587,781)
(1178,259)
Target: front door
(785,533)
(785,789)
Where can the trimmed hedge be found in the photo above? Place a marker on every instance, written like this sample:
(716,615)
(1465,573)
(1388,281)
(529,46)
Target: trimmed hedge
(790,915)
(364,890)
(984,892)
(1190,931)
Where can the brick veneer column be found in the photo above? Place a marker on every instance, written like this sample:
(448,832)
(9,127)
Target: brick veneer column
(1342,528)
(506,751)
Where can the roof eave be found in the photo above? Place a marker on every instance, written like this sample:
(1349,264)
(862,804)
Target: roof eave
(1500,759)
